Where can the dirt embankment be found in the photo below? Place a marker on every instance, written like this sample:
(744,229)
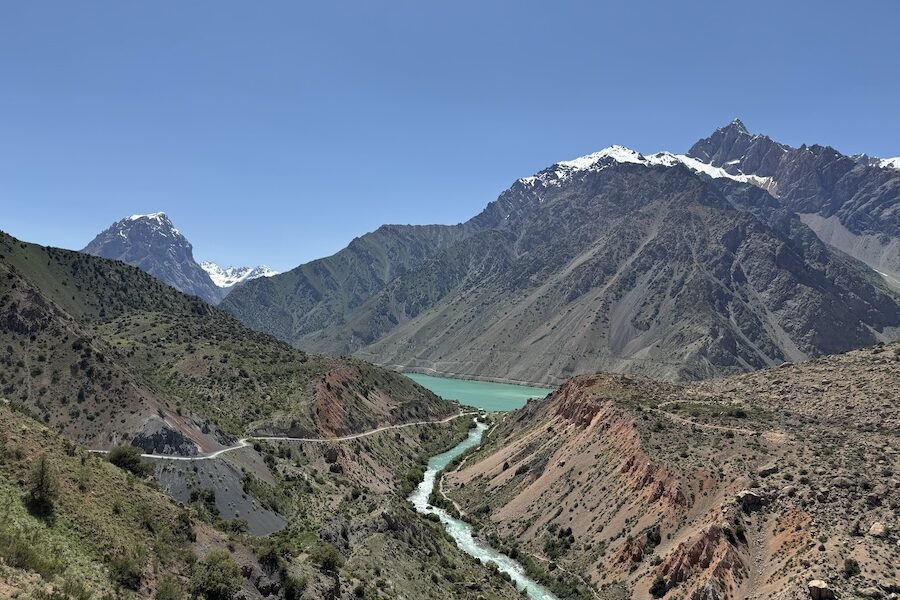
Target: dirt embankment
(743,487)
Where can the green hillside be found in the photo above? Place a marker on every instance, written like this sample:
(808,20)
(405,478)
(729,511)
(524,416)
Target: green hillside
(104,352)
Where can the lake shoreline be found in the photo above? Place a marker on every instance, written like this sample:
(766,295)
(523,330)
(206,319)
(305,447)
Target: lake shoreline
(489,396)
(405,369)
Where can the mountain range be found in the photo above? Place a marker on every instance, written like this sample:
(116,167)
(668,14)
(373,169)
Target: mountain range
(153,244)
(742,253)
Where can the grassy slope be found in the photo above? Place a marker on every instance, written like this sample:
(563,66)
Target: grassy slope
(307,298)
(94,345)
(100,512)
(134,347)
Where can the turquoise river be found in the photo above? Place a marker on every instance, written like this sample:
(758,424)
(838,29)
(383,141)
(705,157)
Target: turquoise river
(490,397)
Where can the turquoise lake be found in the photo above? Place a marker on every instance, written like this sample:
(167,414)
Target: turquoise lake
(485,395)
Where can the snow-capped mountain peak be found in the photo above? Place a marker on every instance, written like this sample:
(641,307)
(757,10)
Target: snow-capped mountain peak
(600,160)
(230,276)
(889,163)
(153,244)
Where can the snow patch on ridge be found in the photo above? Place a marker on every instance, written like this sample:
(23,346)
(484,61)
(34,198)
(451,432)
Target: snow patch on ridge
(889,163)
(231,276)
(598,161)
(159,220)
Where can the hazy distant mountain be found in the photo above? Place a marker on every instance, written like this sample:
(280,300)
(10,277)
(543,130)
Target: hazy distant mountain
(662,264)
(852,203)
(320,293)
(228,277)
(153,244)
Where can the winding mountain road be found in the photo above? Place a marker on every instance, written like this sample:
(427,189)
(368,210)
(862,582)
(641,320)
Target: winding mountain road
(244,442)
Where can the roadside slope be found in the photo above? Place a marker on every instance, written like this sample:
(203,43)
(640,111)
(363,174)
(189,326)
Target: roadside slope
(745,486)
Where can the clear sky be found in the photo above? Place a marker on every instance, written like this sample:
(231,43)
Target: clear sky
(275,132)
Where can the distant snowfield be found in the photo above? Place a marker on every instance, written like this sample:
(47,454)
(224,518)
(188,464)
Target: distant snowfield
(598,161)
(230,276)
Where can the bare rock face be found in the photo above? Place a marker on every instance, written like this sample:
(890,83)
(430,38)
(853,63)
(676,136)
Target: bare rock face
(850,202)
(750,501)
(158,438)
(767,469)
(819,590)
(616,262)
(153,244)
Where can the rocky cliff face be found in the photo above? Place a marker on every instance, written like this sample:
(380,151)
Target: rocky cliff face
(850,202)
(750,486)
(675,266)
(625,267)
(153,244)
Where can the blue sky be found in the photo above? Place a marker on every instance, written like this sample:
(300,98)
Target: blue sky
(275,132)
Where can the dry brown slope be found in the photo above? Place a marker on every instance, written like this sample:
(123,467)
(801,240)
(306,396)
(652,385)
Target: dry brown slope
(647,476)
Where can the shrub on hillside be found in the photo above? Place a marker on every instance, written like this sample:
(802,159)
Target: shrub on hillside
(129,458)
(42,488)
(125,571)
(216,577)
(169,589)
(327,557)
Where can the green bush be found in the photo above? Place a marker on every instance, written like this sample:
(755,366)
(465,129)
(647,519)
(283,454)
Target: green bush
(658,589)
(169,589)
(851,568)
(129,458)
(294,587)
(24,549)
(327,557)
(125,571)
(216,577)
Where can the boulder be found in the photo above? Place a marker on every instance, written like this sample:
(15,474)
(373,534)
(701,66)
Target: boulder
(749,501)
(766,470)
(878,530)
(870,592)
(819,590)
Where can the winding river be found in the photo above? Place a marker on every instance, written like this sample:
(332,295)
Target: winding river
(460,531)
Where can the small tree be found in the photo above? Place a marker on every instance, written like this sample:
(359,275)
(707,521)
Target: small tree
(42,485)
(129,458)
(851,568)
(327,557)
(658,589)
(216,577)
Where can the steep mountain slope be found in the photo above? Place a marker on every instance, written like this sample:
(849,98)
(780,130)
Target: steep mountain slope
(106,354)
(97,531)
(749,486)
(668,265)
(852,203)
(625,265)
(153,244)
(321,293)
(101,532)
